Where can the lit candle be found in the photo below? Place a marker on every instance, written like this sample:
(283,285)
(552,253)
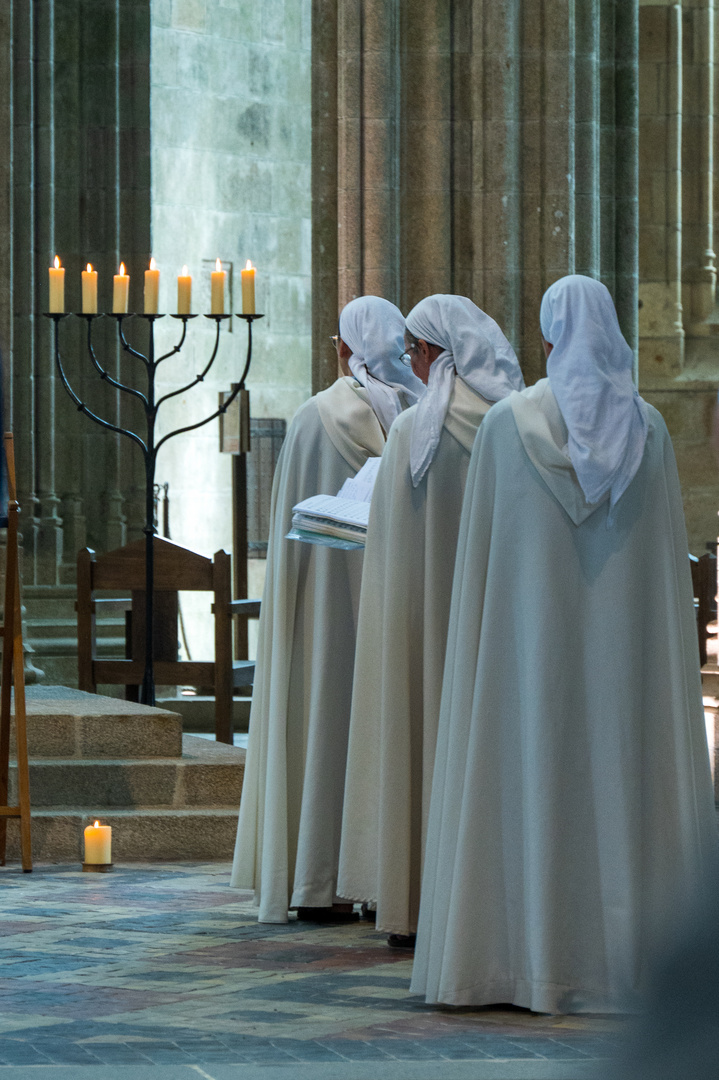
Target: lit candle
(98,844)
(120,291)
(184,292)
(217,303)
(152,288)
(57,287)
(248,289)
(89,291)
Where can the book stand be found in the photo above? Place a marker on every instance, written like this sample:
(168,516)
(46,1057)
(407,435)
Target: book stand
(13,672)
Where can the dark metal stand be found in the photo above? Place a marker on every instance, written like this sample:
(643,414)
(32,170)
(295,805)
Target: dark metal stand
(149,448)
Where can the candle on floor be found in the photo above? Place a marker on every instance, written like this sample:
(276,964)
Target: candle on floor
(120,291)
(184,292)
(89,291)
(248,289)
(57,288)
(217,300)
(98,844)
(152,288)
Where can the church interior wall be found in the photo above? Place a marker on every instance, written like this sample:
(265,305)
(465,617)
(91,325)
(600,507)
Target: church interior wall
(230,136)
(678,318)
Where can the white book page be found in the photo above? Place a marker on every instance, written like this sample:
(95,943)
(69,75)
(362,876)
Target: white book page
(361,486)
(350,511)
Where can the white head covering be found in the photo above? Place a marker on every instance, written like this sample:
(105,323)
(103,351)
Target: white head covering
(474,348)
(590,373)
(374,330)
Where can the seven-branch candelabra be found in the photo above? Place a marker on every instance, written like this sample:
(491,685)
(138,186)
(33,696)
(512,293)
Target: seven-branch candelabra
(151,405)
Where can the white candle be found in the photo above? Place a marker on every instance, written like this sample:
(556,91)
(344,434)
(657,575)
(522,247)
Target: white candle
(152,288)
(217,301)
(120,291)
(98,844)
(89,291)
(184,292)
(248,289)
(57,288)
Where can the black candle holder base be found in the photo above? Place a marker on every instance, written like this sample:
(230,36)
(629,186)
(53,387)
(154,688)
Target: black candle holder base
(97,867)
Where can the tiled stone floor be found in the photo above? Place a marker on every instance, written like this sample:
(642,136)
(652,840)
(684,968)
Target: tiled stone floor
(165,966)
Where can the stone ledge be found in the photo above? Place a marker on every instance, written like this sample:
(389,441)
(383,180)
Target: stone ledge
(208,774)
(138,835)
(71,724)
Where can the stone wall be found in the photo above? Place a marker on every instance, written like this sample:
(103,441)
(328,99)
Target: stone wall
(483,148)
(230,136)
(678,318)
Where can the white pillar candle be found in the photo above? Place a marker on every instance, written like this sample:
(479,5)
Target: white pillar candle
(248,289)
(120,291)
(98,844)
(152,288)
(57,288)
(89,291)
(184,292)
(217,299)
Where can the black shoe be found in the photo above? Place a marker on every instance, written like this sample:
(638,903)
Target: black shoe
(336,914)
(401,941)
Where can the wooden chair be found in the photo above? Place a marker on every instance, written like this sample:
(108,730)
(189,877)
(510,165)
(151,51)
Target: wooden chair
(704,583)
(13,672)
(176,570)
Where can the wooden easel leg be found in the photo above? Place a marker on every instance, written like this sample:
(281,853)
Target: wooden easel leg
(23,770)
(8,636)
(5,705)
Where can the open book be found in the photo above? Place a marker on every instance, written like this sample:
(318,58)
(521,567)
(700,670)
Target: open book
(343,517)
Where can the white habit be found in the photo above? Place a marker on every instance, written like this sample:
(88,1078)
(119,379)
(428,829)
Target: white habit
(572,805)
(404,611)
(288,832)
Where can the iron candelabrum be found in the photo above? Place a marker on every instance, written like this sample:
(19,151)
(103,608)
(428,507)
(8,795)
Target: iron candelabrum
(149,447)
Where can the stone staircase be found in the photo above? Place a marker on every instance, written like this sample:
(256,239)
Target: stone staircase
(50,627)
(167,795)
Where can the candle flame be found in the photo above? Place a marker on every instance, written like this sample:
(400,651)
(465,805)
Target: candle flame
(89,268)
(249,265)
(57,263)
(122,269)
(153,264)
(184,271)
(218,264)
(97,824)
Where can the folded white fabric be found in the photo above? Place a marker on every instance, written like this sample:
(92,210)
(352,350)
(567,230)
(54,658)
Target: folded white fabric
(590,373)
(374,330)
(474,348)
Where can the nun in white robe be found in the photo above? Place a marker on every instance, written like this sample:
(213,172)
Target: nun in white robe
(404,607)
(291,808)
(572,803)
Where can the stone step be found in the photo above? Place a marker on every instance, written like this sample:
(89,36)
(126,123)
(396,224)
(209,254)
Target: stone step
(208,774)
(68,724)
(66,629)
(198,711)
(110,646)
(137,835)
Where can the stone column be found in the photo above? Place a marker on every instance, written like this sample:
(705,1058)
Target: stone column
(486,148)
(74,141)
(325,221)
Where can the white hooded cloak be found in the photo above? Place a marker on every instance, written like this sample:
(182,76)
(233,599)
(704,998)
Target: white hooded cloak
(404,611)
(290,814)
(572,804)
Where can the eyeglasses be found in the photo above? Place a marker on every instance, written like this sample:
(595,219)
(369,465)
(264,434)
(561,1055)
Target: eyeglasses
(406,359)
(335,339)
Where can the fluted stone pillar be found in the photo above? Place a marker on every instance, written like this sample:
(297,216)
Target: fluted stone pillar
(484,148)
(74,147)
(679,314)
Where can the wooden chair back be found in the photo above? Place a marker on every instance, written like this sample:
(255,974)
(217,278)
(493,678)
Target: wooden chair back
(176,570)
